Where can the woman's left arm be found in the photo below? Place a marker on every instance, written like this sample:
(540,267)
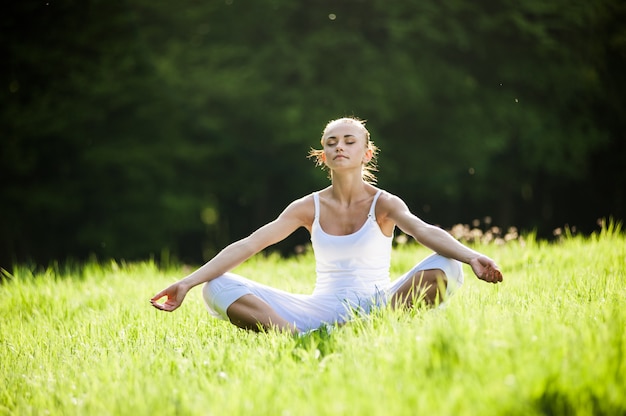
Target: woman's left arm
(440,241)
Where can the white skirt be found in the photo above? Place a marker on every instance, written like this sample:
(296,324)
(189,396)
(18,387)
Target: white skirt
(308,312)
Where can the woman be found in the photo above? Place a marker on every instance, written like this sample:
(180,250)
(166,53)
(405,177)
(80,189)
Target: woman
(351,225)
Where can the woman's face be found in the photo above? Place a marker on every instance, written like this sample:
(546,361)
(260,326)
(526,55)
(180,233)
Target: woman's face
(345,145)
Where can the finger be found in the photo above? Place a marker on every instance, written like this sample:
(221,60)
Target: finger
(488,273)
(162,307)
(158,296)
(168,307)
(156,305)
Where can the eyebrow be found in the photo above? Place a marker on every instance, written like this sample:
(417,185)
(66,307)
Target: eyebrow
(345,136)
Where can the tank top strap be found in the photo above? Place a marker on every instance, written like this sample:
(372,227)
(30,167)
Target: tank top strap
(316,200)
(372,213)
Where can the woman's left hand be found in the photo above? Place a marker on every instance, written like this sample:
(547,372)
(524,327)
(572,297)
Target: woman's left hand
(486,269)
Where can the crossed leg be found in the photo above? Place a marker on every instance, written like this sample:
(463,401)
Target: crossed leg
(428,286)
(253,313)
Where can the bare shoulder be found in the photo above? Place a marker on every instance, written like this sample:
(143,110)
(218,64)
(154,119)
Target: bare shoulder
(303,204)
(398,212)
(301,210)
(389,204)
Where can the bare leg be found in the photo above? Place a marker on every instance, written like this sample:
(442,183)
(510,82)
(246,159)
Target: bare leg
(251,312)
(428,286)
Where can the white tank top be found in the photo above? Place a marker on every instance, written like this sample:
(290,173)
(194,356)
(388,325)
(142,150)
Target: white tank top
(357,262)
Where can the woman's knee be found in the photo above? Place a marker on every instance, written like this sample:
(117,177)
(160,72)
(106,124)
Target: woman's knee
(455,276)
(213,290)
(209,290)
(453,270)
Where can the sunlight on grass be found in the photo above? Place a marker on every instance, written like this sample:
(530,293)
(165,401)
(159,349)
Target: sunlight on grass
(549,340)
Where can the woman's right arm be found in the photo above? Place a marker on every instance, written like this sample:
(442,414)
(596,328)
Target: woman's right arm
(297,214)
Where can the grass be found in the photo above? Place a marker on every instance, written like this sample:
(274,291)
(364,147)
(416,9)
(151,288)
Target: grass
(550,340)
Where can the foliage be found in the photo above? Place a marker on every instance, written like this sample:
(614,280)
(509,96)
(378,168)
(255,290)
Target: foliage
(135,127)
(86,341)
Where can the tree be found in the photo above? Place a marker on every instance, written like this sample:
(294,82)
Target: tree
(139,127)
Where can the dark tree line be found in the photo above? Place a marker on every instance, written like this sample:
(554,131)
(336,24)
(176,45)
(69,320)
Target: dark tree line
(135,128)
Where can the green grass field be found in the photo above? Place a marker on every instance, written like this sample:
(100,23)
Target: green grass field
(549,340)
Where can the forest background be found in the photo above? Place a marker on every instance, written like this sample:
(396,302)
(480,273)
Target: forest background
(135,129)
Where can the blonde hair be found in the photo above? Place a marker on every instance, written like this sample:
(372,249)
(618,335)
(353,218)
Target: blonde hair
(368,168)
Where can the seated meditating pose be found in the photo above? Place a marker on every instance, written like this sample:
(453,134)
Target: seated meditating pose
(351,223)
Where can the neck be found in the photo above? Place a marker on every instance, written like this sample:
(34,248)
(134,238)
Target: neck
(348,188)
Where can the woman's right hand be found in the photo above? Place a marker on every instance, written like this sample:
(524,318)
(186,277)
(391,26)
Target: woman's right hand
(174,294)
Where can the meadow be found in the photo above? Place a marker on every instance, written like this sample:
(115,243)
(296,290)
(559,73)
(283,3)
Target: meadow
(549,340)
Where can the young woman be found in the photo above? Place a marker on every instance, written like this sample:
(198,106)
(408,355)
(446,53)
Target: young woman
(351,225)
